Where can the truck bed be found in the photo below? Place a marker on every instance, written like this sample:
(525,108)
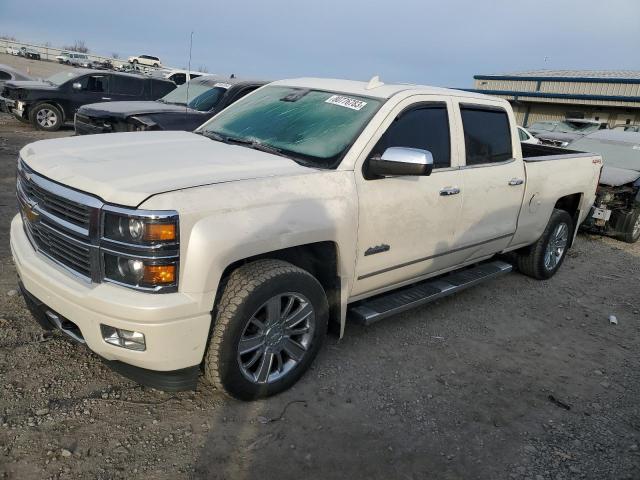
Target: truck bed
(539,153)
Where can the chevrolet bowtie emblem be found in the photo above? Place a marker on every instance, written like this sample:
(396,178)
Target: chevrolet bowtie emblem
(30,213)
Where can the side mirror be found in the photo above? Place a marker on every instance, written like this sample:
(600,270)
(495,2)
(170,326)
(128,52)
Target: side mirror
(77,86)
(401,161)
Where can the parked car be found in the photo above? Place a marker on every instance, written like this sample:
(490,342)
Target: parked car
(75,59)
(616,210)
(146,60)
(526,137)
(105,64)
(627,128)
(307,202)
(29,53)
(561,133)
(47,104)
(178,77)
(8,73)
(185,108)
(13,51)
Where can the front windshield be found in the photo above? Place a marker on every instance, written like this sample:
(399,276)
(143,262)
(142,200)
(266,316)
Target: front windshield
(201,97)
(577,127)
(614,153)
(62,77)
(312,126)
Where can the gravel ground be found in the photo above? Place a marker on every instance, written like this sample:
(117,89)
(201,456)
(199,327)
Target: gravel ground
(458,389)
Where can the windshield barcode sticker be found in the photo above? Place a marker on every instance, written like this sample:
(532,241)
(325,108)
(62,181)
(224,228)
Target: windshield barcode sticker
(223,85)
(346,102)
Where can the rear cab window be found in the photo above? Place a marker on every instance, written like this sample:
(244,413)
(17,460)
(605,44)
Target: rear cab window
(487,134)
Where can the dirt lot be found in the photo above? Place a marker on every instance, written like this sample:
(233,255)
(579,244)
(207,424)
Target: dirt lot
(458,389)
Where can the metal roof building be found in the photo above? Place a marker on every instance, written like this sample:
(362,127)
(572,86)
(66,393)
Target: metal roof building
(611,97)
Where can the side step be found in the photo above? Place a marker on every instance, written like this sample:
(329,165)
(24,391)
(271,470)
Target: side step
(384,305)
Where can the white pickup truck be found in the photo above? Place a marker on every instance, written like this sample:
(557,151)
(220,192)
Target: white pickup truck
(228,252)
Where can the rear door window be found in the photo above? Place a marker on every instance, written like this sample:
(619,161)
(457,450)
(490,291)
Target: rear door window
(487,134)
(121,85)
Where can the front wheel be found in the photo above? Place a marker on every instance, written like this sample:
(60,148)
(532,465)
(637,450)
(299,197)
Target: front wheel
(270,323)
(46,117)
(543,259)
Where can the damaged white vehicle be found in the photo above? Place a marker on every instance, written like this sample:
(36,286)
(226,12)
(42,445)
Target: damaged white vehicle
(616,211)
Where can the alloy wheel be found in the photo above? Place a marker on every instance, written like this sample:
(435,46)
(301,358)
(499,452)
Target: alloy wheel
(46,118)
(276,338)
(556,246)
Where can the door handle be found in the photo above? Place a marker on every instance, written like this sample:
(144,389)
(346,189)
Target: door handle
(106,98)
(515,181)
(448,191)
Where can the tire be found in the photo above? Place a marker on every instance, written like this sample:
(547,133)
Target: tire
(67,62)
(630,231)
(46,117)
(156,65)
(541,260)
(135,61)
(243,308)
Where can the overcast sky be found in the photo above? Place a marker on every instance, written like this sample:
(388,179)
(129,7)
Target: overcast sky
(419,41)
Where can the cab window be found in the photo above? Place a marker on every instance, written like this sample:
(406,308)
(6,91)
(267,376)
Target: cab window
(487,135)
(425,127)
(95,83)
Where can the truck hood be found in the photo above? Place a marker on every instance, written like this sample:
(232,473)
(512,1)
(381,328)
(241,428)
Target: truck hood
(127,168)
(615,177)
(126,109)
(30,85)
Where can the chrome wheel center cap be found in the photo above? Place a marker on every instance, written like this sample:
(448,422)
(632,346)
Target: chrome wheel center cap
(275,335)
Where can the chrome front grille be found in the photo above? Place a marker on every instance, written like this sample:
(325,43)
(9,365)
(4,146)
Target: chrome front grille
(62,248)
(61,207)
(61,223)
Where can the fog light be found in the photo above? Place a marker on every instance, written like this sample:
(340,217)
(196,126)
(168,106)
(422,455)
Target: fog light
(123,338)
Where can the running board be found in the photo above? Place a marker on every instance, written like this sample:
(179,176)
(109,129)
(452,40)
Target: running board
(376,308)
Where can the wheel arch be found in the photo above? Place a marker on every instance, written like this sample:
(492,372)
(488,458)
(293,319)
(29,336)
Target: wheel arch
(320,259)
(571,204)
(56,104)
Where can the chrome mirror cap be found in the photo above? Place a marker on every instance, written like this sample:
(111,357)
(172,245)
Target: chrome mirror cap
(401,161)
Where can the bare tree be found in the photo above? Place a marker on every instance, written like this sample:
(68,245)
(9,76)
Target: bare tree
(115,55)
(203,69)
(7,37)
(79,46)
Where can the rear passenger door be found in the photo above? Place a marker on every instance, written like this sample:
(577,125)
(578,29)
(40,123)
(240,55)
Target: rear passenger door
(492,181)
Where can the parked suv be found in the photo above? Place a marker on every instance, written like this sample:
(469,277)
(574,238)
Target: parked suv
(146,60)
(75,59)
(185,108)
(29,53)
(47,104)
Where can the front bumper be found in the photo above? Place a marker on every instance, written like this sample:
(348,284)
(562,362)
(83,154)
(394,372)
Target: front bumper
(175,325)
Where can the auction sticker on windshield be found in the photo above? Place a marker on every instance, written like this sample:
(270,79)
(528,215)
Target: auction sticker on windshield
(346,102)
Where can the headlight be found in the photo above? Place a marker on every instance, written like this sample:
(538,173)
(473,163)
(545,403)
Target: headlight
(140,249)
(139,229)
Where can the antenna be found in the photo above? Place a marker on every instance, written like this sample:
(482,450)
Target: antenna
(374,83)
(186,105)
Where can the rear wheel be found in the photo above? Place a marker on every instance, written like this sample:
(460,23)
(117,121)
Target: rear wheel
(543,259)
(630,231)
(271,321)
(46,117)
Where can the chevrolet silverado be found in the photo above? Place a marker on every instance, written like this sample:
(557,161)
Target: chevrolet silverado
(230,251)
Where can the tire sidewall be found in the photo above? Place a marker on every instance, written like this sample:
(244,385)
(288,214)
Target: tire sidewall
(230,374)
(559,216)
(631,221)
(34,113)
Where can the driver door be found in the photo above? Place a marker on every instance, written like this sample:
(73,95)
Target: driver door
(93,88)
(407,224)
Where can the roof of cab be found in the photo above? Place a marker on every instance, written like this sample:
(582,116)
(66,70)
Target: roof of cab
(383,91)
